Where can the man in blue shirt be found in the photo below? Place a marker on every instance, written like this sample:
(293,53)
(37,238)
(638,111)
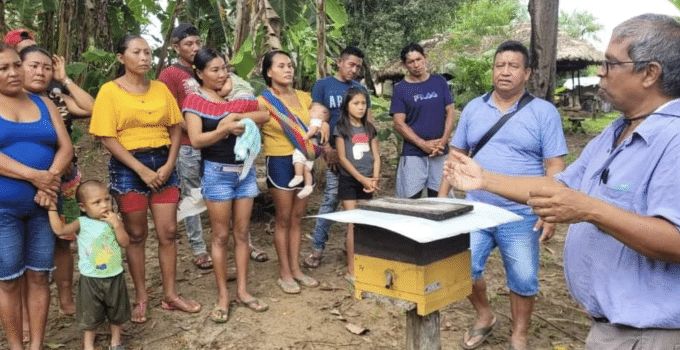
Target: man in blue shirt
(327,95)
(422,109)
(622,252)
(530,143)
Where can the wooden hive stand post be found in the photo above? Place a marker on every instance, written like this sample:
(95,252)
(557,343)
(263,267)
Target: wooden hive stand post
(422,332)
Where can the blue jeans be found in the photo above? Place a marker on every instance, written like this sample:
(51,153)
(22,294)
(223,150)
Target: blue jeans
(188,168)
(328,205)
(26,241)
(518,245)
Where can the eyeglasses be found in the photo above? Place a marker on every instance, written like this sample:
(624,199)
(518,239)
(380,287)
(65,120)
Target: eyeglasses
(607,65)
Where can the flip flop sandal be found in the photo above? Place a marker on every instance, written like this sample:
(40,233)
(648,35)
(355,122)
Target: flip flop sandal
(139,310)
(288,287)
(179,304)
(219,315)
(117,347)
(478,332)
(350,279)
(203,261)
(312,261)
(254,304)
(258,255)
(307,281)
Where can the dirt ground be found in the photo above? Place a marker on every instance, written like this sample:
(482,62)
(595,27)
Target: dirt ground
(317,318)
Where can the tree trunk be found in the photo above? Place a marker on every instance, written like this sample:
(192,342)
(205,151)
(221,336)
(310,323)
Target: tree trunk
(368,78)
(223,19)
(210,40)
(321,69)
(65,15)
(544,20)
(166,43)
(83,11)
(103,38)
(49,33)
(3,24)
(272,23)
(242,28)
(257,17)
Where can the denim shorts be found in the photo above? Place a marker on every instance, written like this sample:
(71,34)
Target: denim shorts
(220,184)
(26,241)
(124,179)
(280,171)
(518,245)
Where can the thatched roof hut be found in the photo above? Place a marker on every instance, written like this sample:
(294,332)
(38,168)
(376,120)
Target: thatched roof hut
(572,54)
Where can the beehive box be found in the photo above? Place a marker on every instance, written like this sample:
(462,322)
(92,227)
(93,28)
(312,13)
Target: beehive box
(402,255)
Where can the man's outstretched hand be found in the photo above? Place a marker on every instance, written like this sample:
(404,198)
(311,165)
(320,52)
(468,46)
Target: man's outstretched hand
(463,173)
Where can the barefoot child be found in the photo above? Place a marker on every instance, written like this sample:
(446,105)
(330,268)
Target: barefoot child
(359,157)
(102,293)
(302,165)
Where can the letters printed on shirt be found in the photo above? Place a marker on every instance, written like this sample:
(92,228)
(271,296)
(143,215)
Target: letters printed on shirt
(427,96)
(334,101)
(361,145)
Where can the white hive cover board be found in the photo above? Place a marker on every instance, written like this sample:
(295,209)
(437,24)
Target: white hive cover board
(424,230)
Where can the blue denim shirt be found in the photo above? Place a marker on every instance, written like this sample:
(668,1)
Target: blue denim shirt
(641,175)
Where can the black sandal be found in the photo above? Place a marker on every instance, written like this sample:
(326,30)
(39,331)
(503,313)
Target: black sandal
(312,261)
(203,261)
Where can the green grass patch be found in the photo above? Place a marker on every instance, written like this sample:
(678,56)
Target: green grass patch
(598,124)
(591,125)
(570,158)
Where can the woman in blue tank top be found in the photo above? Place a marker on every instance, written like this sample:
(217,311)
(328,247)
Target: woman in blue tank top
(34,151)
(42,71)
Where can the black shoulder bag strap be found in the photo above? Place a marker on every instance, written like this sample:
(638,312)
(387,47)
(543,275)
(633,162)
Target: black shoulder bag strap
(185,69)
(526,98)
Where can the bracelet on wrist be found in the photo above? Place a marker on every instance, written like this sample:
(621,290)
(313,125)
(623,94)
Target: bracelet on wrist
(67,82)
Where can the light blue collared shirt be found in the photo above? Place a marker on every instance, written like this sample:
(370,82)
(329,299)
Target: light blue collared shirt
(641,175)
(518,148)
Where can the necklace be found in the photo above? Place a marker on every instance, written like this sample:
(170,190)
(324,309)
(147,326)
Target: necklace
(288,101)
(276,92)
(146,85)
(625,130)
(629,121)
(211,95)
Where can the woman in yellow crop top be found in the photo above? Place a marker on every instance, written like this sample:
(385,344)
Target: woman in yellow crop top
(137,120)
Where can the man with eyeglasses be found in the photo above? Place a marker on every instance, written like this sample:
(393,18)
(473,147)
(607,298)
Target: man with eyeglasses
(621,196)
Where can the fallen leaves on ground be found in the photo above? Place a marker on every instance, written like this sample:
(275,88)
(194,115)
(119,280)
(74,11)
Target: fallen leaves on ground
(358,330)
